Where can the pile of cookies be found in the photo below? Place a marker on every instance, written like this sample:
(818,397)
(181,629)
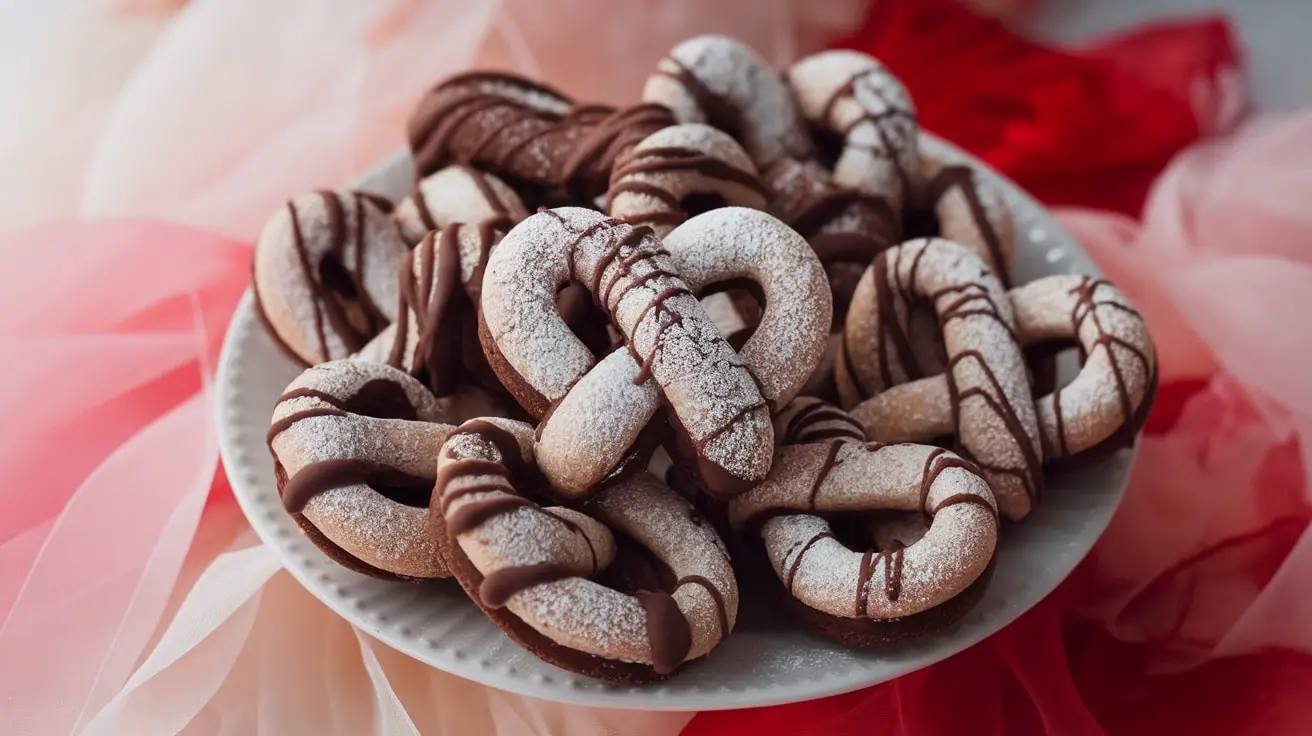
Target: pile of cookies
(604,365)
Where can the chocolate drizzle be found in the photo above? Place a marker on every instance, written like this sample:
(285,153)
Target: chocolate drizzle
(668,633)
(433,299)
(831,459)
(976,302)
(286,422)
(890,329)
(674,159)
(797,561)
(962,178)
(805,426)
(718,112)
(327,475)
(500,586)
(721,611)
(378,398)
(892,560)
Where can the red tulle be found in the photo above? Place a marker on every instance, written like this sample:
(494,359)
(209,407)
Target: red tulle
(1092,128)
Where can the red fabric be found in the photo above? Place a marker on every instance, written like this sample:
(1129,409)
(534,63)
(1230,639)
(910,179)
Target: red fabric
(1091,128)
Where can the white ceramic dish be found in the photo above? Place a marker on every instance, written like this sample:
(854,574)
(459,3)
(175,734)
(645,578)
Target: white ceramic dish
(767,660)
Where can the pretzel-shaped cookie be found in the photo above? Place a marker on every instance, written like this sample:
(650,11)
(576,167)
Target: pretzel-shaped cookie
(529,568)
(354,445)
(716,404)
(1101,410)
(851,94)
(324,274)
(906,587)
(529,133)
(676,171)
(989,392)
(967,210)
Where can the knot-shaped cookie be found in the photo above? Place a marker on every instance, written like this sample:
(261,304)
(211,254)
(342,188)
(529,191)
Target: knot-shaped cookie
(681,171)
(991,409)
(324,274)
(530,134)
(714,400)
(1100,411)
(354,446)
(907,585)
(537,572)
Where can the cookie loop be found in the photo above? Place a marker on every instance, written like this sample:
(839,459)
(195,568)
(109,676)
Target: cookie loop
(722,82)
(531,134)
(739,246)
(353,445)
(1101,410)
(324,274)
(715,402)
(851,94)
(675,172)
(992,412)
(529,568)
(968,210)
(865,596)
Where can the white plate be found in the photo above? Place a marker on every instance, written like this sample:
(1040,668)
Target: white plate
(766,660)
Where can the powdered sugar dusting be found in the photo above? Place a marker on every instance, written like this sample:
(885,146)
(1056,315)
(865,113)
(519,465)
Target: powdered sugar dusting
(700,375)
(594,426)
(741,80)
(519,301)
(739,243)
(986,364)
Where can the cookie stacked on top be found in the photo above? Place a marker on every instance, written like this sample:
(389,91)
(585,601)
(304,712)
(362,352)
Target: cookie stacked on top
(749,331)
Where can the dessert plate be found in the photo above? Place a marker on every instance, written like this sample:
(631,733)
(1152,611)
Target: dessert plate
(767,660)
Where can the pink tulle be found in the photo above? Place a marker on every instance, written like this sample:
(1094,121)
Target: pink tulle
(1210,551)
(122,452)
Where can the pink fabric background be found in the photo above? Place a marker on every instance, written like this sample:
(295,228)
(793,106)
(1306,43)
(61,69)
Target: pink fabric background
(145,142)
